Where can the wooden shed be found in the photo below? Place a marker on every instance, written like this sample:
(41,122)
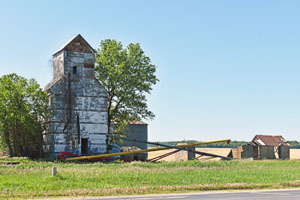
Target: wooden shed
(270,147)
(263,147)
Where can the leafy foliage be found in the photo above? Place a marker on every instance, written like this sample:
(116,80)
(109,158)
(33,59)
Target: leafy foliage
(127,74)
(294,144)
(23,116)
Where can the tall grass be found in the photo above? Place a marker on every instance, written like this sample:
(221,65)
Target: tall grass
(33,179)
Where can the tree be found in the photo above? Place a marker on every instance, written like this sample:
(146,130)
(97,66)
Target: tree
(128,75)
(23,116)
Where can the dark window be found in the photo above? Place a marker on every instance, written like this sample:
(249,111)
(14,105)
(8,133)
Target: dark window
(74,70)
(84,146)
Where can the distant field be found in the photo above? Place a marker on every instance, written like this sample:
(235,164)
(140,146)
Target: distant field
(218,151)
(34,180)
(294,153)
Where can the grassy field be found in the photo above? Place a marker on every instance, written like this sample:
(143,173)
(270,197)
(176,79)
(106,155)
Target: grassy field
(34,180)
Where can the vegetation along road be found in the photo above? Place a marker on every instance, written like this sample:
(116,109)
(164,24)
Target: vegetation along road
(258,195)
(31,179)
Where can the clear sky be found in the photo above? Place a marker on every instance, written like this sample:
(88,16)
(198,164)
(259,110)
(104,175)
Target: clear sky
(227,69)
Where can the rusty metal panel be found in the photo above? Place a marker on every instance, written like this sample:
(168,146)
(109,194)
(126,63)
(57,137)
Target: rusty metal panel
(269,140)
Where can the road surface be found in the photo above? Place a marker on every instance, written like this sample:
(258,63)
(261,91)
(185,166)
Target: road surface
(289,194)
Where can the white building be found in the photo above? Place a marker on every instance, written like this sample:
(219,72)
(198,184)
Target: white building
(78,100)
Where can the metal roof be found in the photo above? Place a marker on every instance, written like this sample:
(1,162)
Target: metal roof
(66,44)
(269,140)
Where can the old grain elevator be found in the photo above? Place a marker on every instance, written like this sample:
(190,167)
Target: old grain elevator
(78,101)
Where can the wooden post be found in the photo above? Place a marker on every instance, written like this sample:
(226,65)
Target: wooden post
(54,171)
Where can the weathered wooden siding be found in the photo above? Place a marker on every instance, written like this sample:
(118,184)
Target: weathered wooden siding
(58,62)
(76,94)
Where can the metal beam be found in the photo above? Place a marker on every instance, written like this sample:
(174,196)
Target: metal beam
(146,150)
(173,147)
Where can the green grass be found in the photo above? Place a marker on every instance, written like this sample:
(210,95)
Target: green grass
(32,179)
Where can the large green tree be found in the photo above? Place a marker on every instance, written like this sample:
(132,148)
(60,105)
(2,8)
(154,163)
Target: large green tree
(23,116)
(128,75)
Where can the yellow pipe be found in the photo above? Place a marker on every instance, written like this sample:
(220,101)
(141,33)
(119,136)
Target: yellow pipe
(145,150)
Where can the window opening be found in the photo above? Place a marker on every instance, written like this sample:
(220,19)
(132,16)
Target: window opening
(74,70)
(84,146)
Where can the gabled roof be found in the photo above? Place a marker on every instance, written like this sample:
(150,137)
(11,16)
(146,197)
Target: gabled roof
(269,140)
(52,83)
(78,43)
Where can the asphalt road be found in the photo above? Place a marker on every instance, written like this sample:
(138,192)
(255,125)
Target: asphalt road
(258,194)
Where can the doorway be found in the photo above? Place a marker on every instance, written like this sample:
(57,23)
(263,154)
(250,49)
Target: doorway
(84,146)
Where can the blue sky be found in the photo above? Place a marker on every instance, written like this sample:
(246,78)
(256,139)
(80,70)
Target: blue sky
(227,69)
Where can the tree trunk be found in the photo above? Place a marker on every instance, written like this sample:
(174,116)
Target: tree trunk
(6,136)
(7,141)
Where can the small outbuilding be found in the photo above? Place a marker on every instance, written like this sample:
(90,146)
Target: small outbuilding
(263,147)
(270,147)
(137,130)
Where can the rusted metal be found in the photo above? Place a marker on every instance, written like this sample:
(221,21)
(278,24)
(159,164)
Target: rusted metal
(74,47)
(174,147)
(154,149)
(269,140)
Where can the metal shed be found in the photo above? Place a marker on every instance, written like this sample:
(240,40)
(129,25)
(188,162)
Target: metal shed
(136,130)
(270,147)
(263,147)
